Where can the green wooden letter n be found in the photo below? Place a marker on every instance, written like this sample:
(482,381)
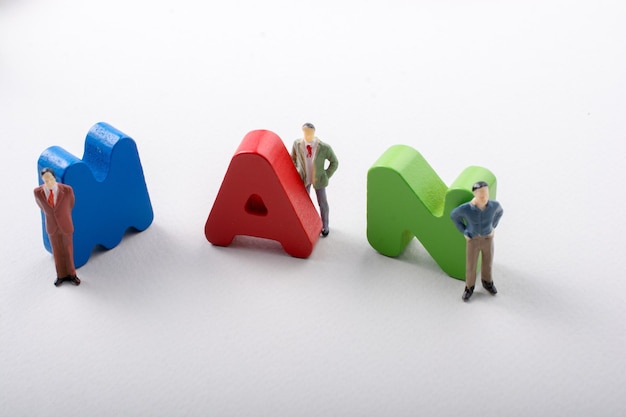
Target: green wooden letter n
(406,199)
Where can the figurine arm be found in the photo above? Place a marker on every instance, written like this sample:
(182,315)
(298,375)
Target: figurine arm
(37,199)
(71,190)
(497,215)
(296,158)
(333,162)
(294,155)
(459,221)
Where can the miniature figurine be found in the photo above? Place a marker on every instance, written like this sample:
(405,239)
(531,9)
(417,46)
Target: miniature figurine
(57,201)
(477,220)
(310,154)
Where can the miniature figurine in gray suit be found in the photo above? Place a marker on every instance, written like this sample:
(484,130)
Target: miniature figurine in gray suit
(309,154)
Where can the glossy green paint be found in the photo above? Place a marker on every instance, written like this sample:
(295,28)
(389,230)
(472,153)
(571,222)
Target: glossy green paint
(407,199)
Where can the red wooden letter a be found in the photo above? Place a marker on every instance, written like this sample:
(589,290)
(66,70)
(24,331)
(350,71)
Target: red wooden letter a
(262,195)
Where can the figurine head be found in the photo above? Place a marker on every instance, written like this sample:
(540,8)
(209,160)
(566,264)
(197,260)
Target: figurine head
(481,193)
(48,177)
(309,131)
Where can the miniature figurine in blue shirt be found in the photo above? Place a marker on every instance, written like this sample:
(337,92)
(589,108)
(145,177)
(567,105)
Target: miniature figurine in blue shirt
(477,220)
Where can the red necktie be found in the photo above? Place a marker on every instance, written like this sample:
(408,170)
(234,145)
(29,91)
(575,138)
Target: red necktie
(51,198)
(308,151)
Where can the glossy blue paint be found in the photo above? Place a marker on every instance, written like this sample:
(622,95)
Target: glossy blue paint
(109,186)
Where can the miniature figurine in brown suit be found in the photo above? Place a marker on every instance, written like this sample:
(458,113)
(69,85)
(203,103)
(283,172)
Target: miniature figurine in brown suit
(57,201)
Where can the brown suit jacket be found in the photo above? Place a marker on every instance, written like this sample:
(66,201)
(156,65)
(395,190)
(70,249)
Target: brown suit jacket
(59,217)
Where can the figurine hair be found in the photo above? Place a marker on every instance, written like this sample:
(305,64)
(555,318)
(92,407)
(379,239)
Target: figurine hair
(47,170)
(478,185)
(308,126)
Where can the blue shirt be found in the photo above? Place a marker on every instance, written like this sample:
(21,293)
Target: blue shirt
(472,221)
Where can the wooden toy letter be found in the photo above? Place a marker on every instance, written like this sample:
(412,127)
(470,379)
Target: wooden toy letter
(406,199)
(262,195)
(109,187)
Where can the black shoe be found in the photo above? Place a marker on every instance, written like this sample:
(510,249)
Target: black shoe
(468,293)
(59,281)
(490,287)
(325,232)
(74,280)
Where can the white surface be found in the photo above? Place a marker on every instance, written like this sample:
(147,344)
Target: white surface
(166,324)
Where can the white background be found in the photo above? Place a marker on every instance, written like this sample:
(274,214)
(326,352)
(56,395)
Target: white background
(166,324)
